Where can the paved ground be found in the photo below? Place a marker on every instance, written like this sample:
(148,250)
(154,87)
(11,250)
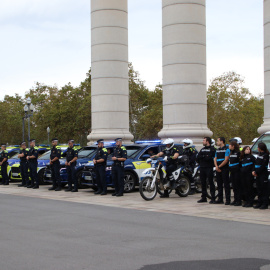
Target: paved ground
(52,230)
(176,205)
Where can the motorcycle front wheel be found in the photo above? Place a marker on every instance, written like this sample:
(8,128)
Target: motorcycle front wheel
(146,191)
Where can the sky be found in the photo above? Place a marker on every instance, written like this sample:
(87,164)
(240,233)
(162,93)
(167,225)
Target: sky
(49,42)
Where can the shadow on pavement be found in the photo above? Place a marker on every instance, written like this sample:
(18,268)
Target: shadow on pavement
(239,264)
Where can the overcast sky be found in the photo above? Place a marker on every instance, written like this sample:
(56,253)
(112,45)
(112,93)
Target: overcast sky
(48,41)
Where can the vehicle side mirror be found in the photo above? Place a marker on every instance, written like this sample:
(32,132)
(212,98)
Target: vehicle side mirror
(146,156)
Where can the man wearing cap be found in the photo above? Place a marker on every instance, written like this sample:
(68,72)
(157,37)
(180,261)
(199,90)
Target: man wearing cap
(100,168)
(119,157)
(55,165)
(24,165)
(71,160)
(4,164)
(32,162)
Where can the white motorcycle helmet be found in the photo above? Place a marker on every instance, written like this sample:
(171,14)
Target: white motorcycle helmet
(254,140)
(189,143)
(170,142)
(213,142)
(238,140)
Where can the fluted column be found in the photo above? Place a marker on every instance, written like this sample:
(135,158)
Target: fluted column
(184,70)
(109,70)
(266,125)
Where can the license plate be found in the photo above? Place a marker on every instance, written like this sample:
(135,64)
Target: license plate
(48,175)
(15,174)
(88,177)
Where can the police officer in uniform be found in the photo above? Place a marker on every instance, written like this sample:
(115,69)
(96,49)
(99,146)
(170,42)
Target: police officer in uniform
(71,160)
(55,165)
(32,162)
(24,165)
(100,168)
(206,160)
(119,157)
(171,154)
(4,164)
(222,171)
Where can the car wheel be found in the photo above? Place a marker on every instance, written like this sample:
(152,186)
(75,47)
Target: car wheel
(129,182)
(41,177)
(79,178)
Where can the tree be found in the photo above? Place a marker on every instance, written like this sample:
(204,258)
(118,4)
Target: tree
(232,109)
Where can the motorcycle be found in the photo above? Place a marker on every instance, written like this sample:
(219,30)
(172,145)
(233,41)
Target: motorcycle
(155,179)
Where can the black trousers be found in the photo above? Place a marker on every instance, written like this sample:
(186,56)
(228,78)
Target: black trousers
(235,178)
(262,188)
(24,172)
(224,180)
(72,176)
(118,178)
(33,173)
(5,179)
(101,177)
(247,185)
(207,173)
(55,167)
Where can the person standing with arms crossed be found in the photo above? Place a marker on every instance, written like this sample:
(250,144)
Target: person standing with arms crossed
(24,165)
(119,157)
(32,161)
(4,164)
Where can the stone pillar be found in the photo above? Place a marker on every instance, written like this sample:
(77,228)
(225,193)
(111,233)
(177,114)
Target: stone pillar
(266,125)
(109,70)
(184,70)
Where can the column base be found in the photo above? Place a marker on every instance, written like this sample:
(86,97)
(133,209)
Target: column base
(264,127)
(109,135)
(180,132)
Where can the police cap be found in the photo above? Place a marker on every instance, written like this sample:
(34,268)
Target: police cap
(100,141)
(118,139)
(54,139)
(23,143)
(71,140)
(3,144)
(32,140)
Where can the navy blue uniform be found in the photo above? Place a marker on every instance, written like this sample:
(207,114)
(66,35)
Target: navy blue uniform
(247,178)
(100,169)
(223,176)
(55,167)
(206,160)
(71,154)
(235,176)
(118,169)
(24,167)
(261,165)
(191,153)
(33,151)
(5,179)
(171,164)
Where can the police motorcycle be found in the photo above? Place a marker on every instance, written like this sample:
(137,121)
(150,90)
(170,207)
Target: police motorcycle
(155,179)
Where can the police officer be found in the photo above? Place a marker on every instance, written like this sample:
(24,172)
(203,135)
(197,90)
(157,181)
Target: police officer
(24,165)
(191,153)
(100,168)
(32,162)
(261,173)
(71,160)
(4,164)
(206,160)
(222,171)
(55,165)
(171,154)
(119,157)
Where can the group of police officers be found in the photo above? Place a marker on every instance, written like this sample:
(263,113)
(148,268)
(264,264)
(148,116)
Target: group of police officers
(225,160)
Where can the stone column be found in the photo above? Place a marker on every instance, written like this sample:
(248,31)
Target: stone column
(109,70)
(266,125)
(184,70)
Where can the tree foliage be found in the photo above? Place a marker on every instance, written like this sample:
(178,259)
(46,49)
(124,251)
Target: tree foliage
(232,110)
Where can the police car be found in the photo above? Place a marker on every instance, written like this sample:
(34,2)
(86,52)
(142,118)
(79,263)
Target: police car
(85,155)
(137,154)
(43,156)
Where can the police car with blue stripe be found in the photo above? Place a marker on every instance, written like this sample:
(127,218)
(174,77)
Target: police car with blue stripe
(137,154)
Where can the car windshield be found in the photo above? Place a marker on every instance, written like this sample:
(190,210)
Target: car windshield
(45,155)
(132,150)
(15,156)
(265,139)
(86,152)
